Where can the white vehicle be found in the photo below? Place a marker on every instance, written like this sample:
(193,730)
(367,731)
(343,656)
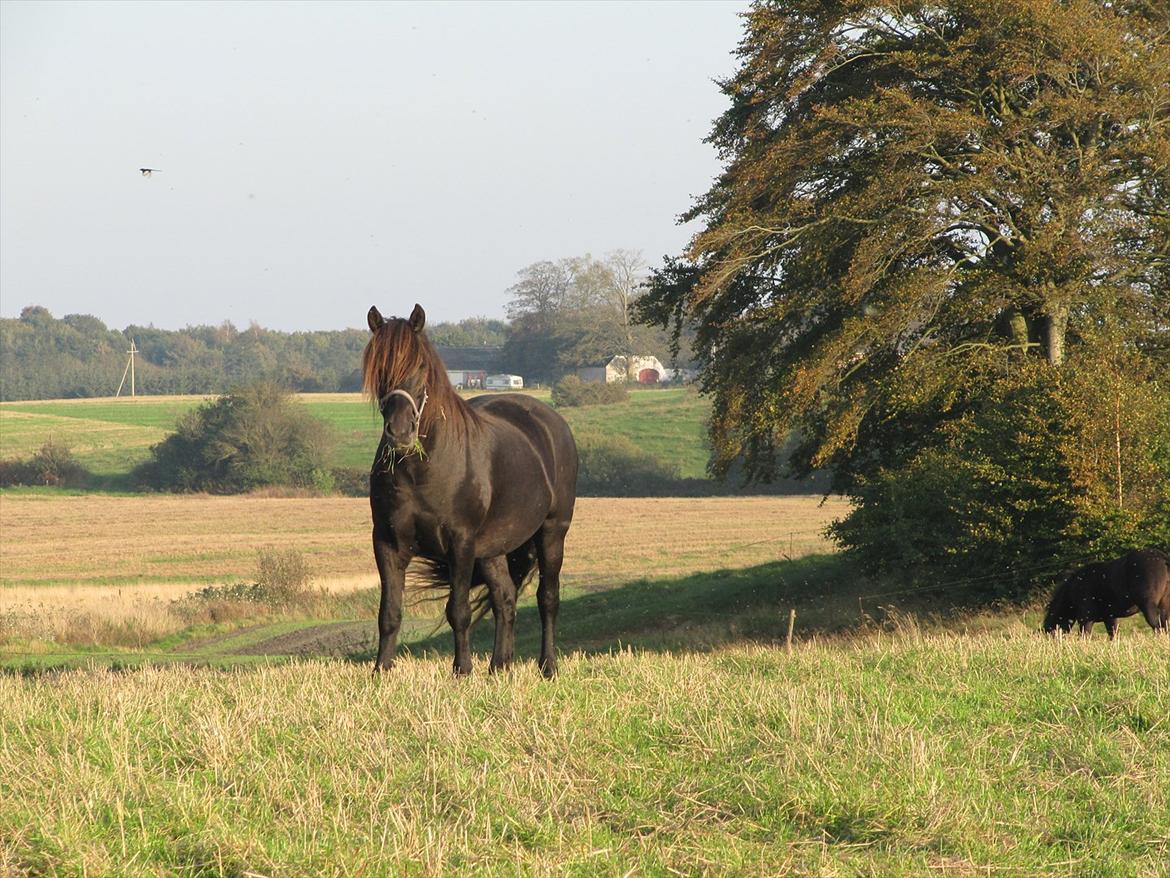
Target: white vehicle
(503,382)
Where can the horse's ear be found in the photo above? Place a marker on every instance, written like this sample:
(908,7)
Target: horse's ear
(375,319)
(418,318)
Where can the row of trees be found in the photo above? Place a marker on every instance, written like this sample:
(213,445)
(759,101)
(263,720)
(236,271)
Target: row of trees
(939,250)
(564,314)
(576,312)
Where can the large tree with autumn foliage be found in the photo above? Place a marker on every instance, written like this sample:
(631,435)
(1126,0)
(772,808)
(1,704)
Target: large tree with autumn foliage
(940,251)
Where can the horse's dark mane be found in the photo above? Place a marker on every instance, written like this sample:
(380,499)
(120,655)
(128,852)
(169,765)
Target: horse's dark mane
(393,355)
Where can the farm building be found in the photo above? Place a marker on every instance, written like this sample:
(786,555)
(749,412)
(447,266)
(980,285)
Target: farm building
(466,379)
(643,370)
(503,382)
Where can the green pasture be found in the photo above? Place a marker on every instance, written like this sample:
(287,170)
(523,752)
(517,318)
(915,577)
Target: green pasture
(887,756)
(913,735)
(110,437)
(668,424)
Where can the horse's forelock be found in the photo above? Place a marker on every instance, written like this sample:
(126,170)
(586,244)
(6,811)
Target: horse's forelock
(393,354)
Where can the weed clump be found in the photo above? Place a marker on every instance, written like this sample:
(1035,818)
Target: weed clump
(282,585)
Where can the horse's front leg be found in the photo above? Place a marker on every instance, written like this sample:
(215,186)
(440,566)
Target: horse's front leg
(459,605)
(392,571)
(1111,627)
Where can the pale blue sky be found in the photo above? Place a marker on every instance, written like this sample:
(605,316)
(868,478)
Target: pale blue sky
(316,159)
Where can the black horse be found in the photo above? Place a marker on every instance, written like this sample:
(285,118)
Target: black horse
(1107,590)
(483,490)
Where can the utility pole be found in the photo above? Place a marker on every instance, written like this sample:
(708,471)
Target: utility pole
(128,370)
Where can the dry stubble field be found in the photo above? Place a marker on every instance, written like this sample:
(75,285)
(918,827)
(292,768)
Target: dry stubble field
(114,555)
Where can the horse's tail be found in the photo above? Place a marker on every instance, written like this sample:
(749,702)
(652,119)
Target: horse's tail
(432,574)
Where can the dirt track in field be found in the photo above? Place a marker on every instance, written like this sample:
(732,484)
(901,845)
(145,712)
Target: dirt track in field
(328,639)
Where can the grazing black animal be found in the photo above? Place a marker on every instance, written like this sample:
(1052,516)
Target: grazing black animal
(482,489)
(1107,590)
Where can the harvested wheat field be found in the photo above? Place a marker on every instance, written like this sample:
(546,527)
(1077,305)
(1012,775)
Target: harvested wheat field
(94,544)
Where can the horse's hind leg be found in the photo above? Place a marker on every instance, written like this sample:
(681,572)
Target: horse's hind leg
(502,591)
(550,554)
(1156,617)
(1111,627)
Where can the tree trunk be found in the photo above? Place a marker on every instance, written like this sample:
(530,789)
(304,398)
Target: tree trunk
(1017,325)
(1053,326)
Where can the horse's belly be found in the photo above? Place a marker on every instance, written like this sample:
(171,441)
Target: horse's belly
(499,537)
(513,516)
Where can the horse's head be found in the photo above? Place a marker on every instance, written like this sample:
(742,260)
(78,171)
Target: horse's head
(396,370)
(1058,618)
(1062,608)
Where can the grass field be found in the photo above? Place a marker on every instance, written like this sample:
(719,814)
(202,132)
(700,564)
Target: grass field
(905,733)
(109,437)
(98,540)
(885,756)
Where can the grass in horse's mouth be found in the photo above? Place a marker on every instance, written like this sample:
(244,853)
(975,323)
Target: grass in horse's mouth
(414,449)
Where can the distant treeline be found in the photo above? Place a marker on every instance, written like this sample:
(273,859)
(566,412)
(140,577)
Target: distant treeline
(43,357)
(563,314)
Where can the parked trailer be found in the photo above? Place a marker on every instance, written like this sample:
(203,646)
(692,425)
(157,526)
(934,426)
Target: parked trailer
(504,382)
(466,379)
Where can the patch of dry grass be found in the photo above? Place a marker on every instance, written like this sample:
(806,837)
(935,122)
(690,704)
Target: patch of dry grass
(101,569)
(125,541)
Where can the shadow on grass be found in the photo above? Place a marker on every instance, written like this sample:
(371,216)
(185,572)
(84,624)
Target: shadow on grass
(699,612)
(691,613)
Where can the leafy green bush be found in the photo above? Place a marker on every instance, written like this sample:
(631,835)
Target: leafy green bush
(52,465)
(351,481)
(1051,469)
(573,391)
(257,436)
(613,466)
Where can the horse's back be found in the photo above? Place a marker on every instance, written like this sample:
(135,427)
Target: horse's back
(548,434)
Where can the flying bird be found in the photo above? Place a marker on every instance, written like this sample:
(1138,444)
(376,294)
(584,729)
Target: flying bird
(146,172)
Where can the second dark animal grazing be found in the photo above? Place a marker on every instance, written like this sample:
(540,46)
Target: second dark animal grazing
(482,489)
(1138,581)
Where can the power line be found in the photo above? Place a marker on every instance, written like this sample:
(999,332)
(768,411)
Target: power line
(128,370)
